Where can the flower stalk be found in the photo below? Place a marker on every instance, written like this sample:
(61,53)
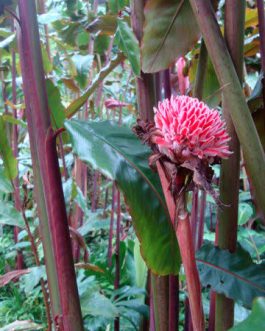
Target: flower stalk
(180,219)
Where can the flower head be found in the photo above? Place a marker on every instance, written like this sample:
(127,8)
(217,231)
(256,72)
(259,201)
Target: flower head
(187,127)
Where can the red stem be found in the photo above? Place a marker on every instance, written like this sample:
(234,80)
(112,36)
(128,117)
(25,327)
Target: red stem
(183,232)
(95,191)
(117,256)
(201,220)
(41,135)
(111,224)
(173,305)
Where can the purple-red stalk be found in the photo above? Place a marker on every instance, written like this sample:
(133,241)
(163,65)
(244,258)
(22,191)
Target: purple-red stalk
(113,204)
(117,255)
(42,139)
(201,220)
(173,281)
(183,232)
(94,200)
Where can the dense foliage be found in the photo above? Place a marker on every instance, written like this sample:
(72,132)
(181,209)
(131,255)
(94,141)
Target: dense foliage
(94,59)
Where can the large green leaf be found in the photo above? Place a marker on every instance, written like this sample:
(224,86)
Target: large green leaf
(129,45)
(234,275)
(10,163)
(256,320)
(10,216)
(170,31)
(118,154)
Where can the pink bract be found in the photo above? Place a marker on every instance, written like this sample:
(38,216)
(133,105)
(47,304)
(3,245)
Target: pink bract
(188,128)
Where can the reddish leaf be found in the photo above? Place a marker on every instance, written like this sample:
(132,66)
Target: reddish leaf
(10,276)
(113,103)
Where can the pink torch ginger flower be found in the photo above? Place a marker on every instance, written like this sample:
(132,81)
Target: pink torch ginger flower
(187,128)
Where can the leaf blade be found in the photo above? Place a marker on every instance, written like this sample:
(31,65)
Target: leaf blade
(234,275)
(121,156)
(166,34)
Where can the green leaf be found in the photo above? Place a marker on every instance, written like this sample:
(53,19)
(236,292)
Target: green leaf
(116,5)
(97,304)
(10,163)
(10,216)
(5,184)
(82,39)
(245,212)
(55,104)
(170,31)
(101,44)
(47,65)
(15,121)
(234,275)
(83,64)
(121,156)
(256,320)
(129,45)
(31,280)
(140,266)
(80,101)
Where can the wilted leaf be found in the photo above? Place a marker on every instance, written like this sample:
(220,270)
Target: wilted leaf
(106,24)
(170,31)
(88,266)
(251,18)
